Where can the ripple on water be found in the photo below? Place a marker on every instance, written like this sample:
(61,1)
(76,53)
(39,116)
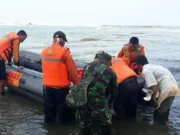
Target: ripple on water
(28,129)
(19,120)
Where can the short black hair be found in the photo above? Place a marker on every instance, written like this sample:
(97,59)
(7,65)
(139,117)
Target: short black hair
(134,40)
(141,60)
(22,32)
(60,34)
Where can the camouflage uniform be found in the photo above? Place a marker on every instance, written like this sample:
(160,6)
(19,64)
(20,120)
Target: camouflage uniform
(103,86)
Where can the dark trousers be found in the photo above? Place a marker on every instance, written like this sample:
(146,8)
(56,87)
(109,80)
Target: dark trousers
(2,70)
(54,104)
(126,102)
(162,113)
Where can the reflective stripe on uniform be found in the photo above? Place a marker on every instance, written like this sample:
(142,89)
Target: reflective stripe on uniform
(117,61)
(51,59)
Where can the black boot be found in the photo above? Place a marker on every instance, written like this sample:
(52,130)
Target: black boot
(106,130)
(85,131)
(2,93)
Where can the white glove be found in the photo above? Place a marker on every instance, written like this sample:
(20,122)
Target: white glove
(71,85)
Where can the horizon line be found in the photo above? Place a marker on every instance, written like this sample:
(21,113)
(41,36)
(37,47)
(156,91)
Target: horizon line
(85,25)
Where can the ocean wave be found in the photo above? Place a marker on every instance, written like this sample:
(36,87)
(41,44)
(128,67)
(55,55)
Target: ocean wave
(120,35)
(145,26)
(108,40)
(139,26)
(134,26)
(138,33)
(34,47)
(89,39)
(166,60)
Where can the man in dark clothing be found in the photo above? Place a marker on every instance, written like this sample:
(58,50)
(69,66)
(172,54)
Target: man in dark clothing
(126,102)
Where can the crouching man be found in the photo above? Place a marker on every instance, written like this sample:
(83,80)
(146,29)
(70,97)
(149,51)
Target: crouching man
(93,92)
(159,80)
(125,105)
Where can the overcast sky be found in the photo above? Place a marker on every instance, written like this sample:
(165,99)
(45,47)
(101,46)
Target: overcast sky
(91,12)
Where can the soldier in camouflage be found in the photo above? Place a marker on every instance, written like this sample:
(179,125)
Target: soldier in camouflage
(101,93)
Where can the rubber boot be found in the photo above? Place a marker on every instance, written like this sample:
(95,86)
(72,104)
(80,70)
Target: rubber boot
(50,116)
(2,87)
(106,130)
(2,93)
(85,131)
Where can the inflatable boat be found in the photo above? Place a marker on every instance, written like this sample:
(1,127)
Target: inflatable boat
(28,81)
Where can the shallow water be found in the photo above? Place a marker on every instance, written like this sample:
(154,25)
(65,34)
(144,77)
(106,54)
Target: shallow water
(20,115)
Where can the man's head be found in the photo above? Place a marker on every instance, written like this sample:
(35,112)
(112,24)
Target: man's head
(22,35)
(59,38)
(134,42)
(104,57)
(141,61)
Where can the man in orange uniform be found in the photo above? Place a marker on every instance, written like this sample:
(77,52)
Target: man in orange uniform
(58,70)
(126,102)
(131,51)
(9,46)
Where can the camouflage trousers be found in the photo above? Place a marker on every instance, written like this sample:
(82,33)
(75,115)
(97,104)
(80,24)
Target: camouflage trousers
(99,109)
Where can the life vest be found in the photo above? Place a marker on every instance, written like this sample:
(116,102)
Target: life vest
(6,45)
(121,69)
(55,73)
(132,55)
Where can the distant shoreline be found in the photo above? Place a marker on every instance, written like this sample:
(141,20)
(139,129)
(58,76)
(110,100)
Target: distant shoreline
(133,26)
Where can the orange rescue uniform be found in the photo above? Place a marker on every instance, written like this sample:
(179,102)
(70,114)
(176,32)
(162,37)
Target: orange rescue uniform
(129,53)
(58,67)
(9,46)
(122,70)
